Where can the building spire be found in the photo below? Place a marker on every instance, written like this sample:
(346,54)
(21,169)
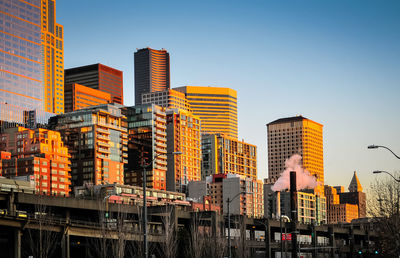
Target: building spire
(355,185)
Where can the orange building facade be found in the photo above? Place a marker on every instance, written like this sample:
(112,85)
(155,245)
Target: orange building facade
(97,140)
(184,136)
(40,153)
(226,155)
(99,77)
(78,96)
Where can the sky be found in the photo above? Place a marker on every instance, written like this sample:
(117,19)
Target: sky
(334,62)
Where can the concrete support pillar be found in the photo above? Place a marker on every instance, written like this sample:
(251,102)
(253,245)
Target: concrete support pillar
(65,246)
(11,203)
(352,240)
(267,239)
(65,241)
(17,243)
(314,242)
(332,241)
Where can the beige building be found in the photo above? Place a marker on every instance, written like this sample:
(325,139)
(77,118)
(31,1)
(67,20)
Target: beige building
(295,135)
(167,99)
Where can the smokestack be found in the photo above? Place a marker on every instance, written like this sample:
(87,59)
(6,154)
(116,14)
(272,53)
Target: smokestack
(278,204)
(293,211)
(293,196)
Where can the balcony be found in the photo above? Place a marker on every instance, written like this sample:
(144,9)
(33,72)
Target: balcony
(161,120)
(105,144)
(163,139)
(101,130)
(161,126)
(161,162)
(161,132)
(161,150)
(161,144)
(103,137)
(102,156)
(103,150)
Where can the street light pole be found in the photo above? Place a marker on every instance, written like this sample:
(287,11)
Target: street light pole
(380,146)
(229,222)
(144,166)
(380,171)
(280,224)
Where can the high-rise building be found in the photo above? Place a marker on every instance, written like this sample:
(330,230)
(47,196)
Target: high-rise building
(295,135)
(151,72)
(78,96)
(227,155)
(39,153)
(167,99)
(31,56)
(99,77)
(183,135)
(53,53)
(147,127)
(97,141)
(216,107)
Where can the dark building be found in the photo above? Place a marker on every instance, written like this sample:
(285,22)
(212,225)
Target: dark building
(151,72)
(99,77)
(146,140)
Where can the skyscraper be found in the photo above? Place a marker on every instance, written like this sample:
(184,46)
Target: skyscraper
(53,62)
(151,72)
(295,135)
(31,56)
(216,107)
(99,77)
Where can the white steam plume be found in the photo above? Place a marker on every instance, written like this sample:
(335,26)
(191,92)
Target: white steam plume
(303,177)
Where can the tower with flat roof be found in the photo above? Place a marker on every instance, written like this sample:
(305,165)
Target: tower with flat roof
(295,135)
(99,77)
(151,72)
(216,107)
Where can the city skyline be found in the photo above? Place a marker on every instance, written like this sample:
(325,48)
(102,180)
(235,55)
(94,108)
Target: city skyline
(335,63)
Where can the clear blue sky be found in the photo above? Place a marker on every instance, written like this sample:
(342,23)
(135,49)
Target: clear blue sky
(335,62)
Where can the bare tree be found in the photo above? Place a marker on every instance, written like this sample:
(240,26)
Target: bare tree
(242,249)
(215,242)
(119,227)
(100,244)
(196,244)
(170,245)
(40,235)
(383,205)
